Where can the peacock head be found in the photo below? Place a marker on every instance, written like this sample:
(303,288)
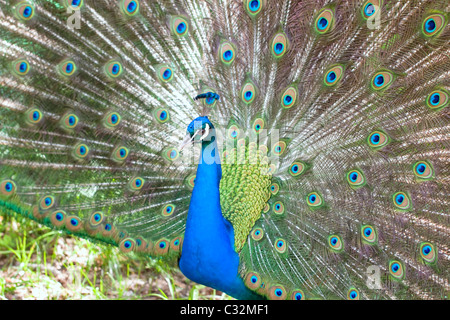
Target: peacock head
(199,130)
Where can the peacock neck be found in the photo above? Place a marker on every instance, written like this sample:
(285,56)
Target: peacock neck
(208,255)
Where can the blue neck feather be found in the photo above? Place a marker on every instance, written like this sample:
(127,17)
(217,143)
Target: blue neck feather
(208,256)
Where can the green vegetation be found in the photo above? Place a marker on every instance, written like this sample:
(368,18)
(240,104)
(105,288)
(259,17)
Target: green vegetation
(39,263)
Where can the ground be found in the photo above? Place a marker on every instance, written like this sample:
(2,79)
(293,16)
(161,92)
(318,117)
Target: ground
(40,264)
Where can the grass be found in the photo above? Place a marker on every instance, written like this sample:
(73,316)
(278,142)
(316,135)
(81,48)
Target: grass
(39,263)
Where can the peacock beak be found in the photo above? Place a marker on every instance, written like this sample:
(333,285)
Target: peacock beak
(187,140)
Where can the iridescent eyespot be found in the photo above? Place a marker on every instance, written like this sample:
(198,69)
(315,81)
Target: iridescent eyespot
(438,99)
(423,170)
(165,73)
(401,201)
(370,9)
(382,80)
(257,234)
(274,188)
(280,245)
(180,26)
(67,68)
(335,242)
(296,168)
(278,208)
(21,67)
(74,223)
(24,10)
(176,244)
(162,115)
(353,294)
(190,181)
(81,151)
(46,202)
(34,116)
(297,295)
(279,45)
(120,154)
(111,120)
(113,69)
(279,148)
(136,183)
(96,218)
(396,269)
(355,178)
(170,154)
(333,75)
(428,252)
(233,132)
(168,210)
(129,7)
(248,93)
(57,218)
(8,188)
(253,281)
(433,24)
(324,21)
(161,247)
(74,4)
(127,245)
(227,53)
(277,293)
(253,7)
(289,97)
(258,125)
(369,234)
(314,200)
(377,140)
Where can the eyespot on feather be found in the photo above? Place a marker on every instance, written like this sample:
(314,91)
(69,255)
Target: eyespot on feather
(57,218)
(69,121)
(382,80)
(335,243)
(278,208)
(24,11)
(353,294)
(8,188)
(129,7)
(127,245)
(279,148)
(433,24)
(279,45)
(355,178)
(34,116)
(280,245)
(73,4)
(423,170)
(402,201)
(74,224)
(257,234)
(314,200)
(253,7)
(113,69)
(297,295)
(428,252)
(371,8)
(176,244)
(248,93)
(369,234)
(324,21)
(170,154)
(333,75)
(80,151)
(377,140)
(438,99)
(180,26)
(120,154)
(161,247)
(289,97)
(277,292)
(20,67)
(396,269)
(227,53)
(168,210)
(67,68)
(46,202)
(253,281)
(162,115)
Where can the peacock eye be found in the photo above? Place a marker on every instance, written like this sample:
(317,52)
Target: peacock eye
(433,24)
(129,7)
(333,75)
(401,201)
(324,21)
(279,45)
(289,97)
(353,294)
(335,243)
(396,269)
(382,80)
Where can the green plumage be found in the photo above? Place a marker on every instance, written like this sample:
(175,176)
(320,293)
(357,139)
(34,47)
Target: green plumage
(348,101)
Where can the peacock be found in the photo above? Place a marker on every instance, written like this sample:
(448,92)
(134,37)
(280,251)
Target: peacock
(271,149)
